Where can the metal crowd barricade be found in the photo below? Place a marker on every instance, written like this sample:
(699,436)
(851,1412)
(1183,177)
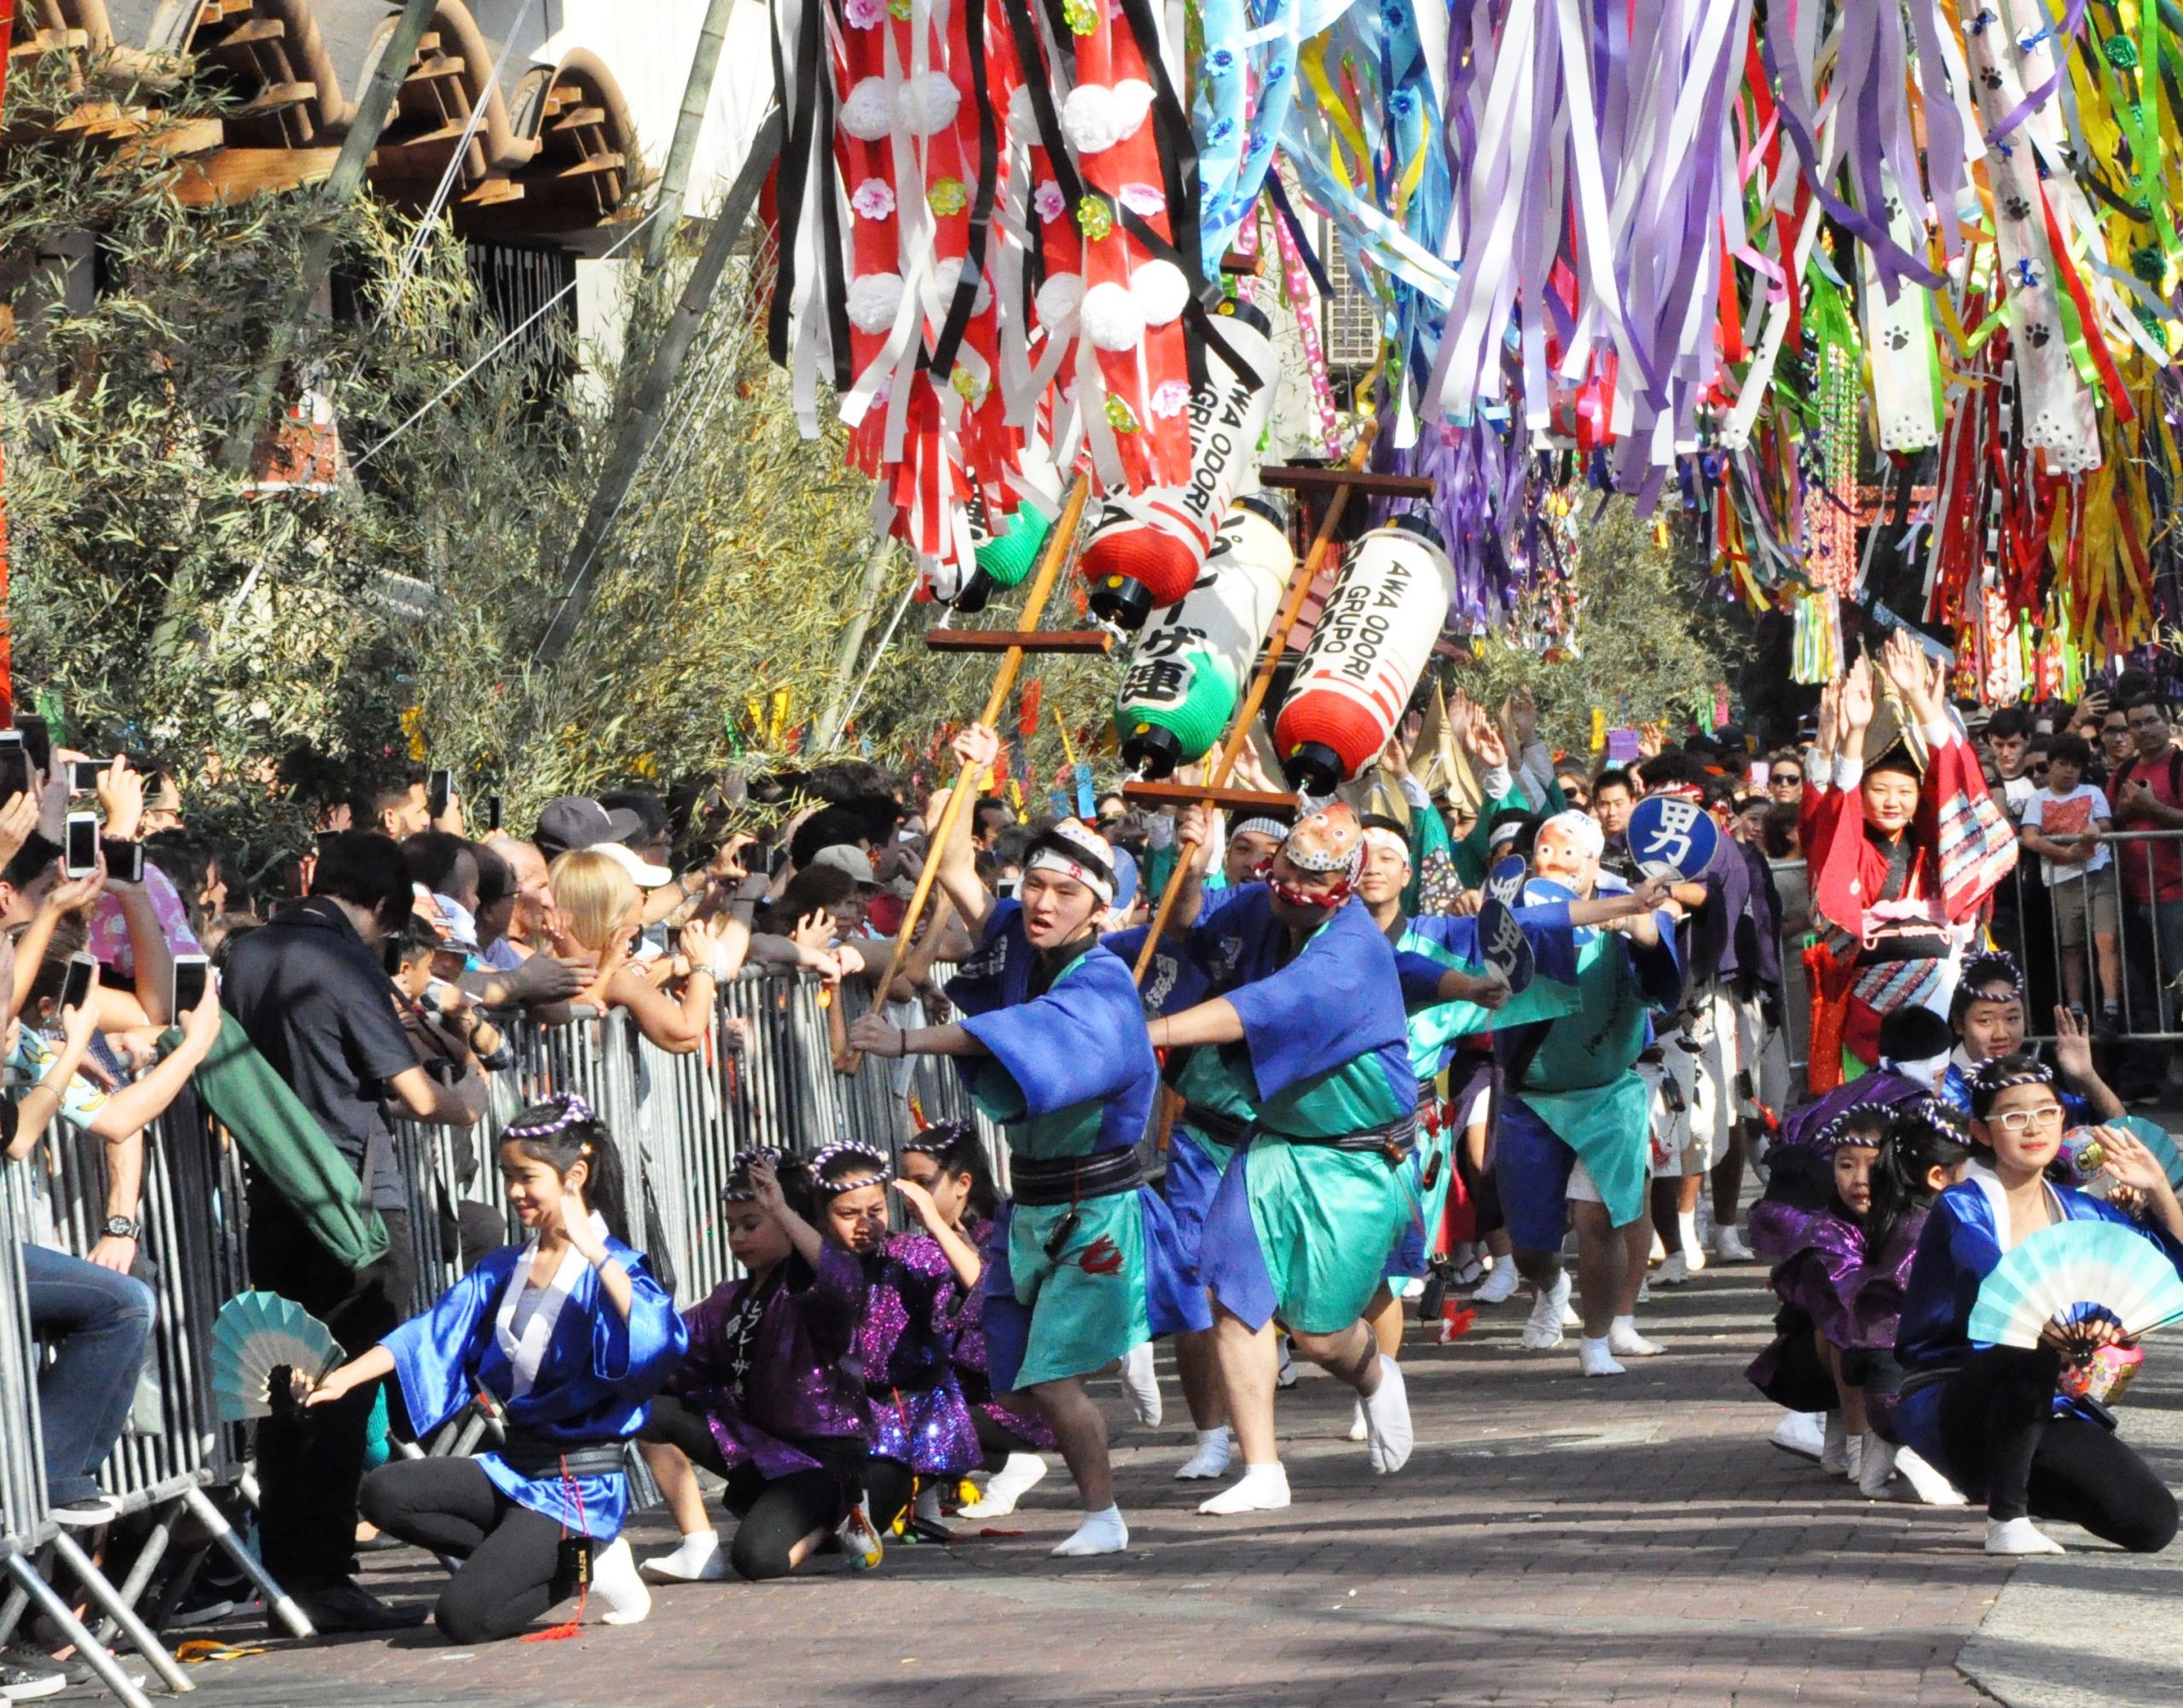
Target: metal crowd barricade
(2032,917)
(174,1447)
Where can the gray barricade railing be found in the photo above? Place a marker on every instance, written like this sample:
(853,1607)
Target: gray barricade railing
(174,1446)
(2032,918)
(764,1076)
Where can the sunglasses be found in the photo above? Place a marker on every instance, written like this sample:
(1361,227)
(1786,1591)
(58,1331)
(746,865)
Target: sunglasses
(1787,779)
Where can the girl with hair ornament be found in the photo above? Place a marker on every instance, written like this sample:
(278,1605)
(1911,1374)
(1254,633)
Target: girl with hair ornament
(569,1331)
(767,1399)
(1997,1420)
(1079,1270)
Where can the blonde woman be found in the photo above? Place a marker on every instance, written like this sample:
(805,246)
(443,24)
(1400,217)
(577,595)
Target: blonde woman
(600,911)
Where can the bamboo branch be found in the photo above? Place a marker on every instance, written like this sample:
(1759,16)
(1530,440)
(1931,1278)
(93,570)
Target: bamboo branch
(1276,643)
(646,413)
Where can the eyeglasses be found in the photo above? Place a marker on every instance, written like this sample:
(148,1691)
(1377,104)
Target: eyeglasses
(1787,779)
(2029,1121)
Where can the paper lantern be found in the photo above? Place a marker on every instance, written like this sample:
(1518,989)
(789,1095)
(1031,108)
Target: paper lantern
(1188,670)
(1148,548)
(1366,655)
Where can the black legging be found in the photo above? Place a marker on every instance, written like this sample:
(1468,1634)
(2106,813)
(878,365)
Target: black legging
(775,1515)
(996,1440)
(1999,1434)
(513,1565)
(889,1486)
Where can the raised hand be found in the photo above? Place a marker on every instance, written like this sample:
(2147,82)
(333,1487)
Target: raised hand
(977,744)
(1856,702)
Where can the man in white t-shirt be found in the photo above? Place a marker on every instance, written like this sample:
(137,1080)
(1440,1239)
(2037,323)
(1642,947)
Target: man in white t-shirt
(2062,824)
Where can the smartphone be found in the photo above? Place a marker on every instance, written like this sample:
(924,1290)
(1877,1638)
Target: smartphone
(437,792)
(390,957)
(124,861)
(191,974)
(492,813)
(76,990)
(79,853)
(84,775)
(38,741)
(1761,769)
(15,764)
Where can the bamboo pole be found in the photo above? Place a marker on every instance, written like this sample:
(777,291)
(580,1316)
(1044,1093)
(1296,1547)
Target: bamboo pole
(1276,643)
(937,837)
(646,412)
(697,96)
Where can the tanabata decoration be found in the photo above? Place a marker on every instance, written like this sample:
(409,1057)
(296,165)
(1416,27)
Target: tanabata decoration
(1862,298)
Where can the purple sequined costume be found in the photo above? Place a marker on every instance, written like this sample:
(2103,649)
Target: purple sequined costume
(778,1375)
(1818,1257)
(1876,1307)
(1017,1415)
(917,1412)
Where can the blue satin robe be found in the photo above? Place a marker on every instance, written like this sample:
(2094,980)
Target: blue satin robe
(593,1384)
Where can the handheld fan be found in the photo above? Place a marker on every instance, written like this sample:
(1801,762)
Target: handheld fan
(2083,1273)
(2154,1136)
(256,1335)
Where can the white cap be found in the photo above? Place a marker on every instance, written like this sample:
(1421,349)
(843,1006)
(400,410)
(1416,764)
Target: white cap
(642,872)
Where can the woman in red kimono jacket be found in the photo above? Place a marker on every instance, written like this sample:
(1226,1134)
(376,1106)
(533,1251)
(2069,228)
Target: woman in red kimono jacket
(1902,857)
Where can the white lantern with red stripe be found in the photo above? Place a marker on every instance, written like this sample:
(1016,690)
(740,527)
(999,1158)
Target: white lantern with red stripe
(1366,656)
(1149,550)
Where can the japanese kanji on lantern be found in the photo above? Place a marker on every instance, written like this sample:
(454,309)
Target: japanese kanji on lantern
(1194,657)
(1148,549)
(1366,655)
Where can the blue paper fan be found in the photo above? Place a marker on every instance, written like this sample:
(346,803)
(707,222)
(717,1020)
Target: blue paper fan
(254,1335)
(2154,1136)
(2079,1272)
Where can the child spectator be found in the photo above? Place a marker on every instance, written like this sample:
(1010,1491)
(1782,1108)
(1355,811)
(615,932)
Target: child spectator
(2062,822)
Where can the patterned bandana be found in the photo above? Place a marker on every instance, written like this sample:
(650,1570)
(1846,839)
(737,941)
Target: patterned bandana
(1074,849)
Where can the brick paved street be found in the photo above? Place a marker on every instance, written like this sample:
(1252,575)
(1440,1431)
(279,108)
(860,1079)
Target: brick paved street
(1554,1541)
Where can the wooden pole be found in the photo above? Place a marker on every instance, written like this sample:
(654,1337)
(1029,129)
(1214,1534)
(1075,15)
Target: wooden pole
(1012,663)
(1276,643)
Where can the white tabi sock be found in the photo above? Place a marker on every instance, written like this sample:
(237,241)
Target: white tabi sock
(1623,1341)
(1211,1459)
(1141,1385)
(615,1581)
(928,1507)
(697,1561)
(1018,1474)
(1101,1532)
(1262,1488)
(1387,1434)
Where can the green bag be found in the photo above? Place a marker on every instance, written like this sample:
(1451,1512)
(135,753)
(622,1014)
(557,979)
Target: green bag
(286,1147)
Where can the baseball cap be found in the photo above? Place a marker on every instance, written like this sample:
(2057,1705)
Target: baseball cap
(849,858)
(577,821)
(642,872)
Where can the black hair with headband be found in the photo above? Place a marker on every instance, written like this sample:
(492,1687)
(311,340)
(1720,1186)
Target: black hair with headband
(1989,976)
(1925,1136)
(956,1146)
(1989,1080)
(790,1173)
(845,1166)
(562,1131)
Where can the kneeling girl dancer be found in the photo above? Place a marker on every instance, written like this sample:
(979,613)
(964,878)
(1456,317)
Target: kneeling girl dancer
(572,1334)
(1993,1419)
(946,1177)
(765,1398)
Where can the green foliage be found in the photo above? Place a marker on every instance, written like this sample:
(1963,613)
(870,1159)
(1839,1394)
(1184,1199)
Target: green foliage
(1652,639)
(259,640)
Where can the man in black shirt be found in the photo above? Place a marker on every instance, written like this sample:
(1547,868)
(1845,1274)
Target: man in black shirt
(310,989)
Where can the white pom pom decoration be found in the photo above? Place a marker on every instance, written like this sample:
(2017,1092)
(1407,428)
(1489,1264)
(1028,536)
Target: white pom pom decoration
(1132,101)
(1059,297)
(928,103)
(1112,319)
(868,114)
(1160,292)
(874,298)
(948,274)
(1023,115)
(1089,119)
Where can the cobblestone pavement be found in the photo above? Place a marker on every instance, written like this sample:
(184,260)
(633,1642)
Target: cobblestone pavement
(1554,1541)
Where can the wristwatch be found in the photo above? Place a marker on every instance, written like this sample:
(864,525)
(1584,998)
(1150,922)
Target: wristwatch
(121,1228)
